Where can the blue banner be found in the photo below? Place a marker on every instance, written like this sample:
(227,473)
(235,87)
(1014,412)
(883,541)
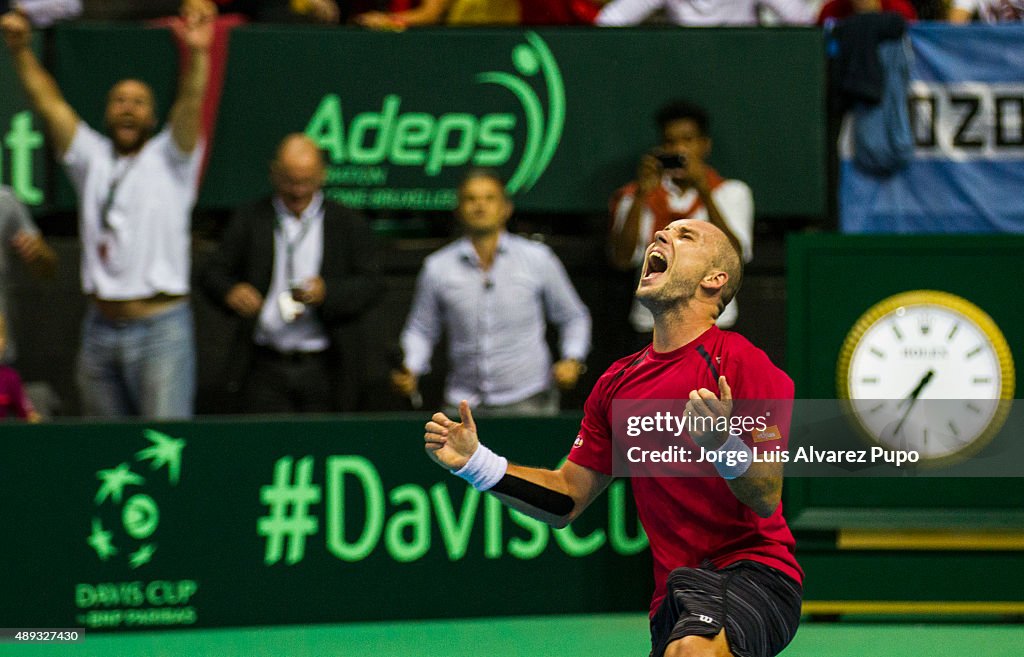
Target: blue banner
(966,102)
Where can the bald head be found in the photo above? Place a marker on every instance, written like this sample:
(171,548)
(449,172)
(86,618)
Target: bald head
(297,149)
(297,172)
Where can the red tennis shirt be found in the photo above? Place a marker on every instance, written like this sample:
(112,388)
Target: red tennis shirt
(693,520)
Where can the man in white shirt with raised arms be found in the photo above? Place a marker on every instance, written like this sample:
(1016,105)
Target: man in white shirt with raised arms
(136,189)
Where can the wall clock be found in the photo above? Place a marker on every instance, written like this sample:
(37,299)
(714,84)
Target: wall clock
(925,370)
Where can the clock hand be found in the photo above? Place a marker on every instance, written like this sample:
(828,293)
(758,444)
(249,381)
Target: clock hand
(912,399)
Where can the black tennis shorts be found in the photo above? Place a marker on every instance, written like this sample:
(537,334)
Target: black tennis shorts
(758,606)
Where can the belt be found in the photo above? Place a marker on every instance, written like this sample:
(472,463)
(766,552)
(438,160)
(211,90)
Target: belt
(288,356)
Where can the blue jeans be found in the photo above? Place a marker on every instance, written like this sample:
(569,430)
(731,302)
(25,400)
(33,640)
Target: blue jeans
(140,367)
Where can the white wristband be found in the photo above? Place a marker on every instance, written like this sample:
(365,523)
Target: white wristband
(484,469)
(740,458)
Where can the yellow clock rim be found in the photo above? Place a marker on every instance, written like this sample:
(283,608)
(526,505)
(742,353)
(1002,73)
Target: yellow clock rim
(957,304)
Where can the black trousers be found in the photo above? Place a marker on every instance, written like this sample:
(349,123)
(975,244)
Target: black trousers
(297,382)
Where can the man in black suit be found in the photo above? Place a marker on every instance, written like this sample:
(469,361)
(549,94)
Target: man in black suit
(300,271)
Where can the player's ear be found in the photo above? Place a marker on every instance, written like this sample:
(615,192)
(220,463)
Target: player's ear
(715,280)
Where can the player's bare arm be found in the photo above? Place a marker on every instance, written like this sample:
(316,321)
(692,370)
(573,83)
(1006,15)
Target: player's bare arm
(556,497)
(760,487)
(40,87)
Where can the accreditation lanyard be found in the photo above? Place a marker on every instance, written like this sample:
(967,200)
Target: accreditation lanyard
(116,178)
(290,245)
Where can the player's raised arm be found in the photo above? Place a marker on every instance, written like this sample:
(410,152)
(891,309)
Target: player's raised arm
(556,497)
(42,90)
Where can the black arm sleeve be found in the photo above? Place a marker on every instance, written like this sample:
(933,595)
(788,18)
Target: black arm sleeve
(537,496)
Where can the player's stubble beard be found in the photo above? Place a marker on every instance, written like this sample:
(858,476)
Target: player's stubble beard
(673,295)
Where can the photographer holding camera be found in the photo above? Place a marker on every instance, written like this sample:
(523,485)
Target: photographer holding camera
(674,182)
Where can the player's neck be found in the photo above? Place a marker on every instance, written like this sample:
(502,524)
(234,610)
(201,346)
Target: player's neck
(678,327)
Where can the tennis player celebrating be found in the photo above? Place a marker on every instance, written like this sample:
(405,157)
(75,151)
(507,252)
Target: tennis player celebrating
(727,581)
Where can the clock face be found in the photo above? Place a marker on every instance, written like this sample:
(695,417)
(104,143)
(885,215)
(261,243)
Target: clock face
(926,371)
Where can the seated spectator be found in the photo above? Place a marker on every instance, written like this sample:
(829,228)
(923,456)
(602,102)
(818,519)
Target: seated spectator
(403,13)
(43,13)
(448,12)
(559,12)
(704,13)
(320,11)
(986,11)
(840,9)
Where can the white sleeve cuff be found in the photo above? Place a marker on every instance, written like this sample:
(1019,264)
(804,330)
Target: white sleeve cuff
(484,469)
(740,458)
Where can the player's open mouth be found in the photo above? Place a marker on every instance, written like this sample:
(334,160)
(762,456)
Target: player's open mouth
(655,265)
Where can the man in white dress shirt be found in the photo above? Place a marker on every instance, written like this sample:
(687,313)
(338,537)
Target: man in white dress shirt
(492,293)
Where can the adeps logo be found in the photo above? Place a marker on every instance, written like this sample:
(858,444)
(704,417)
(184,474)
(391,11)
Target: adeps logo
(541,139)
(364,150)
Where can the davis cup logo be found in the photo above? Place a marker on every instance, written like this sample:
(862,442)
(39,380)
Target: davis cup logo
(123,535)
(126,518)
(393,156)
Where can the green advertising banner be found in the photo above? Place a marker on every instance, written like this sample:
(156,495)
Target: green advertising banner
(231,523)
(563,114)
(22,150)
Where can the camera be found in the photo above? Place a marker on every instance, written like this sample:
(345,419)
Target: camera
(672,160)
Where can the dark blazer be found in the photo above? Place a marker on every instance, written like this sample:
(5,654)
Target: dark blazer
(351,274)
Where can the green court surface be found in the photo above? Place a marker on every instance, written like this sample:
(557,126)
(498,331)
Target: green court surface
(616,635)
